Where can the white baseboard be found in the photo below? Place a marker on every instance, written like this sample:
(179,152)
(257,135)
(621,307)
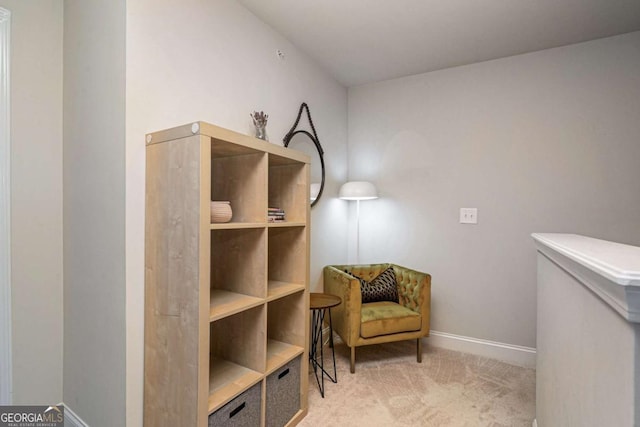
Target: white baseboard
(512,354)
(72,419)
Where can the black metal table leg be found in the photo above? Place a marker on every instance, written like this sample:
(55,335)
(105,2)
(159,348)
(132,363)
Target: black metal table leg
(318,339)
(319,305)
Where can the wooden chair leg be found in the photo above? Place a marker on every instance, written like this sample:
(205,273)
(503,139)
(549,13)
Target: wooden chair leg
(419,348)
(353,359)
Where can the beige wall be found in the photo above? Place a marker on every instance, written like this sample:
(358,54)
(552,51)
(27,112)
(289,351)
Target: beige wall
(94,228)
(215,61)
(36,200)
(543,142)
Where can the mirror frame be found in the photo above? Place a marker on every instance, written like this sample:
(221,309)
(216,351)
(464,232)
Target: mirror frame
(314,138)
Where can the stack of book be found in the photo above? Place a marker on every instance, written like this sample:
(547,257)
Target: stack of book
(275,215)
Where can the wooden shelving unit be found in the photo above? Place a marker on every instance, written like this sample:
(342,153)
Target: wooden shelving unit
(226,305)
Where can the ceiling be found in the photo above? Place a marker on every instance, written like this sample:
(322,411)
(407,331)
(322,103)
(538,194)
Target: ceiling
(364,41)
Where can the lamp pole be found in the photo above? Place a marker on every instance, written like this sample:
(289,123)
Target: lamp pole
(357,231)
(358,190)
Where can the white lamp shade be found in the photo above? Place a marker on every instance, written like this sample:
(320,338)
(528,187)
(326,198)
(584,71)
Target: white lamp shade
(358,190)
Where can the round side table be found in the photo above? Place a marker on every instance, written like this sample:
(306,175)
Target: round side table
(320,304)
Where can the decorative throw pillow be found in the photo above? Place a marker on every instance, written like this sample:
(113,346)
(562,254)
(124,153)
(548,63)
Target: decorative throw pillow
(383,288)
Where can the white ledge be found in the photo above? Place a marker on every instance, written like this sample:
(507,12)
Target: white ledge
(609,269)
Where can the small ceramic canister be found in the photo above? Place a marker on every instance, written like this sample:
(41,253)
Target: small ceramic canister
(221,211)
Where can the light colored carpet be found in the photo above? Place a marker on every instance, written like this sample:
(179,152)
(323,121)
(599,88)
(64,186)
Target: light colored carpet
(448,388)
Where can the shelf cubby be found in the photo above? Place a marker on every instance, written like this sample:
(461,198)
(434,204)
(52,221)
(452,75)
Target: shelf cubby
(237,354)
(287,248)
(238,261)
(239,177)
(289,188)
(286,336)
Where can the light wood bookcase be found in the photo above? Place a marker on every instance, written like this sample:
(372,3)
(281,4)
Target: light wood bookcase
(226,305)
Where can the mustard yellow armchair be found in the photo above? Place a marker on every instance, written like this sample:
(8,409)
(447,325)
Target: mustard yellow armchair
(361,324)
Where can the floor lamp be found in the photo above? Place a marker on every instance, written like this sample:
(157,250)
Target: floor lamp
(358,190)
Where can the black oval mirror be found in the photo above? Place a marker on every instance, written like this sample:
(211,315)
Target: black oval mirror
(314,151)
(302,138)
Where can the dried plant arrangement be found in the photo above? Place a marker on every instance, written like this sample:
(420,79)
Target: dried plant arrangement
(260,122)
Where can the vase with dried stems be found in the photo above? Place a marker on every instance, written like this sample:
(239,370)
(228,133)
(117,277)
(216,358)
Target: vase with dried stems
(260,122)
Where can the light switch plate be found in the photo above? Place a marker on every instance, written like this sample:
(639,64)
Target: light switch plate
(468,215)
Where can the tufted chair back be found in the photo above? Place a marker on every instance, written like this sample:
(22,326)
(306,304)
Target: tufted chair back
(409,281)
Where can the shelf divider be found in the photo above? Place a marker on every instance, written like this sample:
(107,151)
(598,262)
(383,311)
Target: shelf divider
(280,353)
(226,303)
(227,380)
(236,225)
(287,224)
(277,289)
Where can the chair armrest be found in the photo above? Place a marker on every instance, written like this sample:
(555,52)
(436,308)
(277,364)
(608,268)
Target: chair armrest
(414,291)
(346,316)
